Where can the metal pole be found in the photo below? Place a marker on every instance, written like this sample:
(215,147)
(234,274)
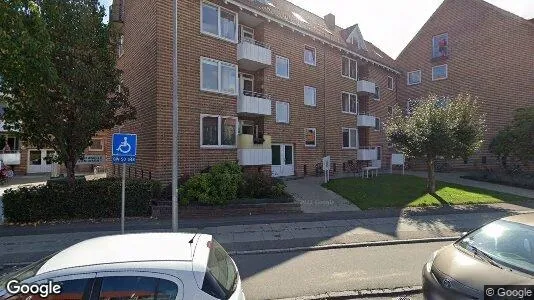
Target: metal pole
(175,116)
(123,196)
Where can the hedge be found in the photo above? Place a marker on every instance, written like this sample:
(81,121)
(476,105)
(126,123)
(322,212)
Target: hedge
(92,199)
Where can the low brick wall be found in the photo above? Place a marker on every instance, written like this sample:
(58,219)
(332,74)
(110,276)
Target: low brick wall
(165,211)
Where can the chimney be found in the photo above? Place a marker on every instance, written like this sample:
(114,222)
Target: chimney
(330,21)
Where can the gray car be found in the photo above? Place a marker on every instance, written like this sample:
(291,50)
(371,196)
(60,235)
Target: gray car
(499,253)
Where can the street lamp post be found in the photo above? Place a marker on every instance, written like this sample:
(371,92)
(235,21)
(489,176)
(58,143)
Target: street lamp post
(175,116)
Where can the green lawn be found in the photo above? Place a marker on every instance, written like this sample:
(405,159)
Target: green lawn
(402,191)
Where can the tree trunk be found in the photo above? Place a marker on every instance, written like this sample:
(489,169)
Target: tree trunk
(431,179)
(70,165)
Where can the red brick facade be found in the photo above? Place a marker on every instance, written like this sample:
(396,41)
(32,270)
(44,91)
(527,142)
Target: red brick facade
(489,56)
(147,66)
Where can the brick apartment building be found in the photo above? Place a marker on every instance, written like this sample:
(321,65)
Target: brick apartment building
(472,46)
(262,82)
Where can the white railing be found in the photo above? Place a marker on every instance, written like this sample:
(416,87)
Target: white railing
(365,87)
(254,52)
(254,157)
(367,154)
(366,120)
(10,157)
(254,103)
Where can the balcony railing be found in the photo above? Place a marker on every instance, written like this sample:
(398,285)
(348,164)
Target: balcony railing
(365,120)
(10,157)
(252,153)
(254,103)
(364,87)
(253,55)
(367,154)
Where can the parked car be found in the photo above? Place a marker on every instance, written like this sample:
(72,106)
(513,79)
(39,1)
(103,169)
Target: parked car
(141,266)
(499,253)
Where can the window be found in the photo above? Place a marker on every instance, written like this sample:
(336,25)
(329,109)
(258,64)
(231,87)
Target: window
(218,76)
(310,96)
(350,138)
(247,34)
(282,67)
(120,46)
(439,72)
(390,110)
(97,144)
(414,77)
(349,103)
(221,273)
(219,22)
(410,106)
(349,68)
(390,83)
(376,95)
(378,153)
(377,124)
(440,46)
(311,137)
(282,112)
(218,131)
(309,55)
(138,287)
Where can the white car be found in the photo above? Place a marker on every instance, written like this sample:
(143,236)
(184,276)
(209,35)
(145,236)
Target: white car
(171,266)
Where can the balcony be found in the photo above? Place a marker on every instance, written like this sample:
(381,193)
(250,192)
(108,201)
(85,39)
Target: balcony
(253,153)
(366,121)
(364,87)
(367,154)
(116,11)
(254,103)
(253,55)
(11,158)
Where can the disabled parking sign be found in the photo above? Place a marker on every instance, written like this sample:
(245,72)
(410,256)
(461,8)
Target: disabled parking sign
(124,148)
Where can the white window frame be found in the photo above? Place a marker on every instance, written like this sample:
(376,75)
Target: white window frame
(446,34)
(343,108)
(356,78)
(446,72)
(315,137)
(379,124)
(276,66)
(355,142)
(379,96)
(408,77)
(314,100)
(219,130)
(388,110)
(276,112)
(91,146)
(390,79)
(120,46)
(314,55)
(219,77)
(219,36)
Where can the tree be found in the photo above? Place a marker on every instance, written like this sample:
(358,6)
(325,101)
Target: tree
(73,94)
(437,127)
(517,139)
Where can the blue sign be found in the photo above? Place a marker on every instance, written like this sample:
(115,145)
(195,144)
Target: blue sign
(124,148)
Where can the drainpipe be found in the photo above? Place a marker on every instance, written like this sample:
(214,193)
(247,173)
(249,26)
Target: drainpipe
(324,101)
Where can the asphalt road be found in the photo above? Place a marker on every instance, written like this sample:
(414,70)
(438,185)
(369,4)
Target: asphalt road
(287,275)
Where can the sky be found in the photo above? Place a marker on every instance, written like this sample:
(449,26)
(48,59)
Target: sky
(398,20)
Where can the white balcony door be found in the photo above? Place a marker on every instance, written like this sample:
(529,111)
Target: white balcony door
(37,161)
(283,160)
(246,83)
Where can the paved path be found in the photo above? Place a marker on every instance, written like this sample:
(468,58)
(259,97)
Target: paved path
(454,177)
(313,198)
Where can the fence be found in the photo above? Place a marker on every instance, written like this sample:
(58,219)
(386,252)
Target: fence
(132,172)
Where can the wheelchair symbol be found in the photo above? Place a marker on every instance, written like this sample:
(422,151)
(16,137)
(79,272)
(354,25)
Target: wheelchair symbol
(124,143)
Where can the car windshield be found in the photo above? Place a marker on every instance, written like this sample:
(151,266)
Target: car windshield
(23,273)
(507,243)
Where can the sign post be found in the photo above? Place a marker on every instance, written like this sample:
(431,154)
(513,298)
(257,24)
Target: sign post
(123,151)
(326,168)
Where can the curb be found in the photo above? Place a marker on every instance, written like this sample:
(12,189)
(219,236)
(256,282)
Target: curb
(399,291)
(348,245)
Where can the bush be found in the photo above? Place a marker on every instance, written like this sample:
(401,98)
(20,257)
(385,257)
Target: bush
(63,180)
(258,185)
(217,186)
(522,180)
(92,199)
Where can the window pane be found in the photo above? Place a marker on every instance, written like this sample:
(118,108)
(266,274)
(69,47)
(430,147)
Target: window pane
(288,155)
(209,131)
(310,137)
(167,290)
(440,45)
(282,112)
(228,25)
(414,77)
(439,72)
(282,67)
(210,19)
(353,69)
(309,95)
(378,153)
(228,131)
(309,55)
(345,102)
(96,144)
(377,93)
(70,289)
(346,138)
(353,105)
(353,138)
(128,287)
(276,155)
(377,124)
(210,75)
(345,66)
(220,277)
(228,79)
(35,157)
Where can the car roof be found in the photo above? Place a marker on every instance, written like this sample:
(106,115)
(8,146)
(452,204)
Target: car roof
(526,219)
(139,247)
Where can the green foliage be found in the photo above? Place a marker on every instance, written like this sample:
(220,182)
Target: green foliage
(59,75)
(522,180)
(218,186)
(259,185)
(92,199)
(517,139)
